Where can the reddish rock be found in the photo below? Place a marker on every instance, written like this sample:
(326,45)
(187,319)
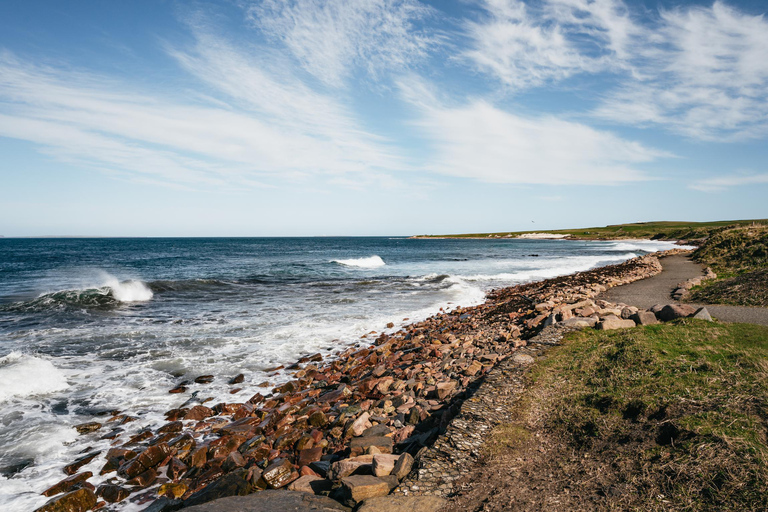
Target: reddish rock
(279,474)
(360,445)
(174,426)
(204,379)
(112,493)
(309,455)
(67,484)
(87,428)
(237,379)
(144,479)
(673,311)
(383,464)
(176,468)
(198,412)
(71,469)
(79,500)
(358,488)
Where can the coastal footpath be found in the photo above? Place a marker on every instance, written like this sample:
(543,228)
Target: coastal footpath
(353,430)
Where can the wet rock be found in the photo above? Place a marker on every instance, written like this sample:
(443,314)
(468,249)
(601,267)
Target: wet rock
(174,426)
(79,500)
(233,461)
(176,468)
(204,379)
(71,469)
(87,428)
(198,412)
(279,474)
(232,484)
(272,501)
(112,493)
(358,488)
(361,445)
(237,379)
(178,389)
(172,490)
(673,311)
(67,484)
(144,479)
(612,322)
(164,505)
(403,504)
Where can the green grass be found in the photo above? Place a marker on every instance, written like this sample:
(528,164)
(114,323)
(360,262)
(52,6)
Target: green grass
(670,230)
(677,410)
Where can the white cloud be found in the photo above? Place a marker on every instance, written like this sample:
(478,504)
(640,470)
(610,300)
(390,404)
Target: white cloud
(718,184)
(480,141)
(268,125)
(527,46)
(706,76)
(331,38)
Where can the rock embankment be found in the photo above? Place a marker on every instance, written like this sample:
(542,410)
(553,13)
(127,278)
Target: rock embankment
(351,429)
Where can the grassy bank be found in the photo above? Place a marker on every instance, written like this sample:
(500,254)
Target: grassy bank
(667,230)
(740,258)
(667,417)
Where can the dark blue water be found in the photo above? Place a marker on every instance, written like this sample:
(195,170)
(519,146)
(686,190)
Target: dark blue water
(89,325)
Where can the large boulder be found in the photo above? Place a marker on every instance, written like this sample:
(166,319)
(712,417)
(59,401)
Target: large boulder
(645,318)
(272,501)
(611,322)
(75,501)
(357,488)
(673,311)
(403,504)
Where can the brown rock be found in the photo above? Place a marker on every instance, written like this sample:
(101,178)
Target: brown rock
(346,467)
(174,426)
(444,389)
(176,468)
(279,474)
(204,379)
(67,484)
(311,484)
(357,488)
(360,424)
(87,428)
(360,445)
(79,500)
(112,493)
(71,469)
(172,490)
(673,311)
(383,464)
(237,379)
(309,455)
(144,479)
(645,318)
(403,504)
(473,368)
(198,412)
(403,466)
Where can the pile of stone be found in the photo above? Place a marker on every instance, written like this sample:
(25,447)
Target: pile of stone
(349,428)
(683,289)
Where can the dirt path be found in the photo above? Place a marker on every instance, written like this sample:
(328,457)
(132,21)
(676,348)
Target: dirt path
(657,290)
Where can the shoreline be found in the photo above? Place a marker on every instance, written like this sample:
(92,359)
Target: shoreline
(368,410)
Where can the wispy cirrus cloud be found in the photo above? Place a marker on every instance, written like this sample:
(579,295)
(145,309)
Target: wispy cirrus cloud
(257,125)
(333,38)
(721,183)
(481,141)
(698,71)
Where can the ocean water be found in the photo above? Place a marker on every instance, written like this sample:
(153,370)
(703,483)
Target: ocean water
(89,326)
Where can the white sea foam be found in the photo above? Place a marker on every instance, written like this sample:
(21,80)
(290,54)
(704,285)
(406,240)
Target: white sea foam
(369,262)
(23,375)
(131,290)
(643,245)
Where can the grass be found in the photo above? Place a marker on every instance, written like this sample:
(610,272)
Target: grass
(669,230)
(677,411)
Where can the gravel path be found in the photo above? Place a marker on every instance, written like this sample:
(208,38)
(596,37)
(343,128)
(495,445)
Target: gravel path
(658,289)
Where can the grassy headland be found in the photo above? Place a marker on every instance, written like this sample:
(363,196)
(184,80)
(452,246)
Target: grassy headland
(662,230)
(663,417)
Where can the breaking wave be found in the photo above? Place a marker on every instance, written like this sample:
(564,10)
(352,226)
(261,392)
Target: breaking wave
(23,375)
(369,262)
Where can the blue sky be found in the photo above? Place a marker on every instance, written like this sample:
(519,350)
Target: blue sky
(378,117)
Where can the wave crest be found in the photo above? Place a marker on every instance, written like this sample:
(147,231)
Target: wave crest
(369,262)
(23,375)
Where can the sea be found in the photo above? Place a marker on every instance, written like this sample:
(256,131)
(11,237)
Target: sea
(90,326)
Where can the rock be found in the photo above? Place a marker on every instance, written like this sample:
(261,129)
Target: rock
(309,455)
(360,424)
(172,490)
(702,314)
(237,379)
(79,500)
(383,464)
(112,493)
(67,484)
(164,505)
(232,484)
(358,488)
(144,479)
(673,311)
(444,389)
(473,368)
(656,308)
(579,323)
(645,318)
(523,359)
(403,466)
(273,501)
(403,504)
(377,430)
(71,469)
(311,484)
(87,428)
(204,379)
(279,473)
(346,467)
(198,412)
(613,322)
(176,468)
(360,445)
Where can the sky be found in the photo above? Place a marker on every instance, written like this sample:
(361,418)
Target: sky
(378,117)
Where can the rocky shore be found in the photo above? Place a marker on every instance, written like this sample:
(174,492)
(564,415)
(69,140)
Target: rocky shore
(363,426)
